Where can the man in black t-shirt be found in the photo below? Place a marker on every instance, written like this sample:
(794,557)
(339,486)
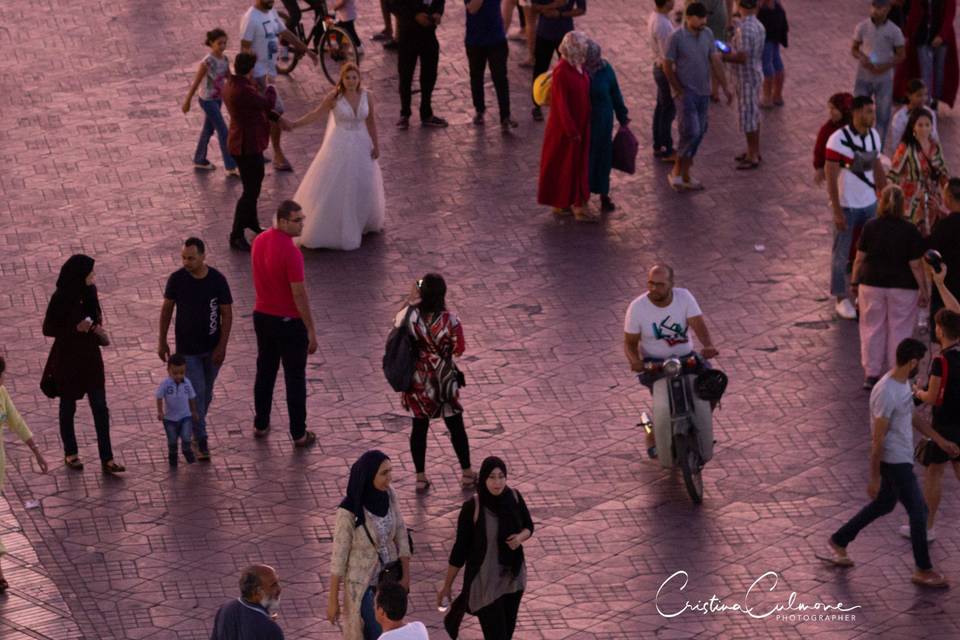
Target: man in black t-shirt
(204,306)
(943,393)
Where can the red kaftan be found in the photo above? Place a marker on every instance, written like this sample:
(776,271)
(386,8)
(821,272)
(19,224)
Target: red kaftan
(440,340)
(564,161)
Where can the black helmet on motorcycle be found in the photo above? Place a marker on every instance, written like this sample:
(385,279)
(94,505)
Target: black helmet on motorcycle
(710,385)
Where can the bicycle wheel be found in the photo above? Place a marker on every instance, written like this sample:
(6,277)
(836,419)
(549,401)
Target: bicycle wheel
(688,456)
(336,49)
(284,67)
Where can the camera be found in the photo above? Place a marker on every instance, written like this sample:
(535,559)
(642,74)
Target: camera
(934,259)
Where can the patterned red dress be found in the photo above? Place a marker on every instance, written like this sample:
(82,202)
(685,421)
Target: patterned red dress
(438,341)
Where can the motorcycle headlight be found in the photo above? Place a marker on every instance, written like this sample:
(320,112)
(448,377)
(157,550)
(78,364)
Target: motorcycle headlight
(672,367)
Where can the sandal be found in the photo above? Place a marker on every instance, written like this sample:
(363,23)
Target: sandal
(73,463)
(468,481)
(423,486)
(113,467)
(585,215)
(308,440)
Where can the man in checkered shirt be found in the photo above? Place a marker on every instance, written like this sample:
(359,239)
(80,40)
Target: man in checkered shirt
(747,58)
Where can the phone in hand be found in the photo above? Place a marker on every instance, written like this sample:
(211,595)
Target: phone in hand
(722,46)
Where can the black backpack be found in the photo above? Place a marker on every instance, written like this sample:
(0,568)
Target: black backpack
(400,355)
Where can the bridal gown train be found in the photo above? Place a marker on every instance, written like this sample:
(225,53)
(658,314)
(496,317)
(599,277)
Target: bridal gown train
(342,191)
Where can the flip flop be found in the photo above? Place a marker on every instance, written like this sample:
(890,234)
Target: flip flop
(468,482)
(423,486)
(74,464)
(286,166)
(747,165)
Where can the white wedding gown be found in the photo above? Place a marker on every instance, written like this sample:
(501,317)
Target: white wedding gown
(342,191)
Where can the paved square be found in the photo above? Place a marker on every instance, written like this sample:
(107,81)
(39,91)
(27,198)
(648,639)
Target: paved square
(96,158)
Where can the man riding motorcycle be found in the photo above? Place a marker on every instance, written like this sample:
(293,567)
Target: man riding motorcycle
(657,327)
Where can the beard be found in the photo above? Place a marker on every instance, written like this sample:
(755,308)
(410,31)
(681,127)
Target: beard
(271,605)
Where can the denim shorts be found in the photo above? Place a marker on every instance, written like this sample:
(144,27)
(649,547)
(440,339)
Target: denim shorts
(772,62)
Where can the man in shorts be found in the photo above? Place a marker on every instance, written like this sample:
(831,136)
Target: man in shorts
(747,58)
(690,58)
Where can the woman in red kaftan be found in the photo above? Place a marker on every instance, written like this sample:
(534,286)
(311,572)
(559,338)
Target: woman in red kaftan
(564,160)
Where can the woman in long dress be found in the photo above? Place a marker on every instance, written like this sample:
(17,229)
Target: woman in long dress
(342,191)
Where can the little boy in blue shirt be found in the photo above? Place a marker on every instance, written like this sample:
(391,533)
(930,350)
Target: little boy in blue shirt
(177,408)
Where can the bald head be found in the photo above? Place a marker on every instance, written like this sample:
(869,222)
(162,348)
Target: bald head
(660,285)
(259,581)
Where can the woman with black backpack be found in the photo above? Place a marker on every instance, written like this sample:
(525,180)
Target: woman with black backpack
(435,389)
(491,530)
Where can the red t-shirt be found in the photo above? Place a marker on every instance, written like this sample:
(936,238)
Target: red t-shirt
(277,263)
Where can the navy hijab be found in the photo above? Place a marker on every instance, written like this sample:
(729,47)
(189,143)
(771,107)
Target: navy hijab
(361,494)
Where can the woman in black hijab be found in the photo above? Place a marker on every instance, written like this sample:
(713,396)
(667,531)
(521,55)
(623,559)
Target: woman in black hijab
(491,529)
(74,367)
(369,534)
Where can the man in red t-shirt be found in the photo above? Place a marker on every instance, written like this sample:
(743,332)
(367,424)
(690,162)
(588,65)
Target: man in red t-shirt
(283,323)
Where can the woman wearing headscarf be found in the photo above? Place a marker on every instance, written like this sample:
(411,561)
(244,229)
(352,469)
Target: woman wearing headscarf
(491,530)
(564,159)
(369,534)
(840,105)
(435,390)
(74,367)
(605,102)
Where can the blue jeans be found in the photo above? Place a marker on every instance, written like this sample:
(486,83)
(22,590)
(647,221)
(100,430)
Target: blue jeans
(371,628)
(692,124)
(881,90)
(202,373)
(772,62)
(213,122)
(897,483)
(932,61)
(664,113)
(839,279)
(182,429)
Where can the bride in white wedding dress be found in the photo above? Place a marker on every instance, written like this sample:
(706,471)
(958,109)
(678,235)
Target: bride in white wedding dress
(342,191)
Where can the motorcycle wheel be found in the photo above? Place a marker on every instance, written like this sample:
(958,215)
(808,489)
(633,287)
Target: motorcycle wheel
(285,67)
(688,456)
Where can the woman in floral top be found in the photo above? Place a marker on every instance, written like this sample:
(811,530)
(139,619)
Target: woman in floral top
(920,170)
(435,392)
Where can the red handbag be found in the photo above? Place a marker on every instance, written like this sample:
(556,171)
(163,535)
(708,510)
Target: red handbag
(625,147)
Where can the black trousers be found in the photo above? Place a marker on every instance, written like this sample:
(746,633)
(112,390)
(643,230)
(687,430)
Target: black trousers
(101,422)
(458,436)
(426,49)
(351,29)
(543,51)
(496,56)
(251,175)
(293,10)
(281,341)
(498,619)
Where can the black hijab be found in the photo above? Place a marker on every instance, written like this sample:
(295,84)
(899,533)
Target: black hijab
(507,510)
(72,287)
(361,494)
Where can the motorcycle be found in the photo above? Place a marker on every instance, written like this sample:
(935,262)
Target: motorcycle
(683,391)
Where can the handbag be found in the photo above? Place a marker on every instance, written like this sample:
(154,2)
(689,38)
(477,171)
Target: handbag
(625,147)
(48,379)
(391,571)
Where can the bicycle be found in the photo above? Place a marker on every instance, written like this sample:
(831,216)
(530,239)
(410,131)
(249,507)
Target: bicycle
(331,43)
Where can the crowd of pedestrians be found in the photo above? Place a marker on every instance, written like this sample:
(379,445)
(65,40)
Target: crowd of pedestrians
(888,214)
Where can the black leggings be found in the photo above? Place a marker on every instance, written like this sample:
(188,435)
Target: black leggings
(499,618)
(101,423)
(458,435)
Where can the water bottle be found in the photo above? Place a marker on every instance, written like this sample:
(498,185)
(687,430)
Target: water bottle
(923,323)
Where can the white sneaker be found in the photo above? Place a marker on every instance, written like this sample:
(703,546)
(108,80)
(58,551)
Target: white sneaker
(905,532)
(846,310)
(675,182)
(693,185)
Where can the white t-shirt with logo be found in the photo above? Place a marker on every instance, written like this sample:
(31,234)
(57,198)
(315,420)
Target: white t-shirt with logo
(409,631)
(664,331)
(854,192)
(262,29)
